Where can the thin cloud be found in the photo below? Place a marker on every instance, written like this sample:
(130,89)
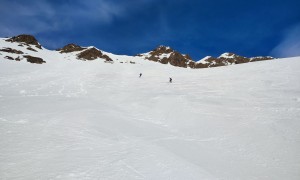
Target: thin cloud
(47,16)
(290,45)
(25,17)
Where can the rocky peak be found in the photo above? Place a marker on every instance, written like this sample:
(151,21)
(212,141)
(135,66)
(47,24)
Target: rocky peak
(165,55)
(162,50)
(223,60)
(187,56)
(27,39)
(70,48)
(228,55)
(92,54)
(177,59)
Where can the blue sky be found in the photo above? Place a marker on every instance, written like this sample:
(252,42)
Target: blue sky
(195,27)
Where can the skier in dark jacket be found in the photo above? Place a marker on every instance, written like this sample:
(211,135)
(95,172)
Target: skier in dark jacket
(170,80)
(140,74)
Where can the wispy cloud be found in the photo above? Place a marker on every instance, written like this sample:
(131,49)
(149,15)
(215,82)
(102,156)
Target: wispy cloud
(121,26)
(45,16)
(290,45)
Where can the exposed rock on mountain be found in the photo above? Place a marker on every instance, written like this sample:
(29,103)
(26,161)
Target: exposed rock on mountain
(92,54)
(196,65)
(9,58)
(70,48)
(12,47)
(167,55)
(86,53)
(18,58)
(10,50)
(27,39)
(261,58)
(35,60)
(31,49)
(228,59)
(231,58)
(177,59)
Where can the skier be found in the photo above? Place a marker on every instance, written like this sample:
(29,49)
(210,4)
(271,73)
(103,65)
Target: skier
(170,80)
(140,74)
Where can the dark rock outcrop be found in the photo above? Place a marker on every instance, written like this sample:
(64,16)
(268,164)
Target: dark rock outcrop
(27,39)
(35,60)
(229,59)
(18,59)
(261,58)
(160,50)
(9,58)
(31,49)
(177,59)
(92,54)
(10,50)
(167,55)
(195,65)
(70,48)
(201,66)
(216,62)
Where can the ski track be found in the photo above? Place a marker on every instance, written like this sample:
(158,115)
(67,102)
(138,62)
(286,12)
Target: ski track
(92,120)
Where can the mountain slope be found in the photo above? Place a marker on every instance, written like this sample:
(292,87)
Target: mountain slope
(226,59)
(72,119)
(166,55)
(27,47)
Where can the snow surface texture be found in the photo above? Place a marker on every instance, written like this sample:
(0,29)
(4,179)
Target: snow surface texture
(92,120)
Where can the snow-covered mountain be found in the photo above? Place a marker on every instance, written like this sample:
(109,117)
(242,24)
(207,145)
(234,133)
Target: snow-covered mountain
(72,118)
(226,59)
(27,47)
(21,47)
(167,55)
(83,53)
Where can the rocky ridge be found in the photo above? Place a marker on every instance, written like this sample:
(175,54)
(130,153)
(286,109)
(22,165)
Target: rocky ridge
(92,54)
(167,55)
(161,54)
(70,48)
(25,39)
(226,59)
(25,43)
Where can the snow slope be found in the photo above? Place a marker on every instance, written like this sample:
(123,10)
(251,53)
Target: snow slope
(92,120)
